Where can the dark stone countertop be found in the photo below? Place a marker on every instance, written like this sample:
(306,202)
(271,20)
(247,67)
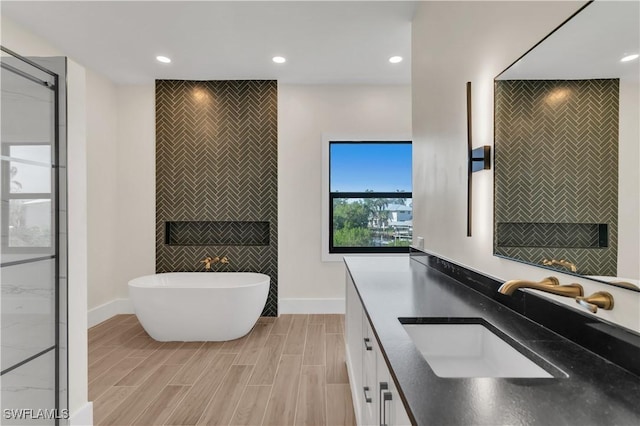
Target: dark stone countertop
(594,391)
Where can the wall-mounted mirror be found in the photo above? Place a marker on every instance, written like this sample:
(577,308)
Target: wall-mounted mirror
(567,148)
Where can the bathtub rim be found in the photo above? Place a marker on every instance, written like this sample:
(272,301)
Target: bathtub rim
(153,281)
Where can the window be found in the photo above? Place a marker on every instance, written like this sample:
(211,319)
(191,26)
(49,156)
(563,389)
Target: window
(26,189)
(370,205)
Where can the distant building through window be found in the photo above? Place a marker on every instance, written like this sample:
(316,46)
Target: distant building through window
(370,200)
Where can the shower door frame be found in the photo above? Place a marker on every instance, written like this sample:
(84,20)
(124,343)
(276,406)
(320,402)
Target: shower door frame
(60,302)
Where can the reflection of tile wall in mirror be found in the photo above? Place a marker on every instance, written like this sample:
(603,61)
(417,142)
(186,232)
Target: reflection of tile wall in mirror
(557,163)
(568,235)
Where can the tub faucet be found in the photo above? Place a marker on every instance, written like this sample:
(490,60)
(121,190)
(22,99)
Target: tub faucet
(548,285)
(208,261)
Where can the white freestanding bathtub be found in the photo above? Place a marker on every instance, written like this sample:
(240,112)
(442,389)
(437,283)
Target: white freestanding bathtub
(199,306)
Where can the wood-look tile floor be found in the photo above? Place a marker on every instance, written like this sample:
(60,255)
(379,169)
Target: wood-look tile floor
(288,370)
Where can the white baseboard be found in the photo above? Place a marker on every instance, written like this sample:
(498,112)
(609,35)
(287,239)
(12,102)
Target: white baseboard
(285,306)
(83,416)
(311,306)
(109,309)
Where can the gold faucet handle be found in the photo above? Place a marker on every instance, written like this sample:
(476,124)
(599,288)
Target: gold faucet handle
(207,262)
(550,281)
(224,260)
(600,299)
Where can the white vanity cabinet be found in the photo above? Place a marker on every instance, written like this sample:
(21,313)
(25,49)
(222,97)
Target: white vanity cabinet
(375,398)
(354,346)
(390,409)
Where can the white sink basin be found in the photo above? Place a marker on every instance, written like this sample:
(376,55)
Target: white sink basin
(470,350)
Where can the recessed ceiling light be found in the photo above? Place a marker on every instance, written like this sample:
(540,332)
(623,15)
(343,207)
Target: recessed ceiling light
(163,59)
(629,58)
(279,59)
(395,59)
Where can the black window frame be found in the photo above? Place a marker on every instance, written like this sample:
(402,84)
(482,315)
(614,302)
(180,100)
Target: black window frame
(333,195)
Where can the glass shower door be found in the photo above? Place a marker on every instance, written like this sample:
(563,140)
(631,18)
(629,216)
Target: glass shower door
(32,246)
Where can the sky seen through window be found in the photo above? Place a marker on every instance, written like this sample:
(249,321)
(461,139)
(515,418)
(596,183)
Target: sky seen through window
(361,166)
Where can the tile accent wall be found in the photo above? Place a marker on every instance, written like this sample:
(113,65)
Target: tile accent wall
(216,161)
(556,162)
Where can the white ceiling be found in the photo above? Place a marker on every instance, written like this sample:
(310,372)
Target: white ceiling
(332,42)
(588,46)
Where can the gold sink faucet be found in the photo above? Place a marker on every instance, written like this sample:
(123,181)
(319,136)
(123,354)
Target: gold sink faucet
(600,299)
(548,285)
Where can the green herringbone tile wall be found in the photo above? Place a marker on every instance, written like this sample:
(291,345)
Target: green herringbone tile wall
(216,161)
(556,161)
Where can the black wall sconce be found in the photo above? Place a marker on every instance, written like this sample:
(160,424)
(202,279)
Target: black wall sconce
(478,159)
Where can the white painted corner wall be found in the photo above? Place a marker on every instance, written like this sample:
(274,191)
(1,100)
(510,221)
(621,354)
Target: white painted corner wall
(136,174)
(475,41)
(102,183)
(306,284)
(77,237)
(629,182)
(121,191)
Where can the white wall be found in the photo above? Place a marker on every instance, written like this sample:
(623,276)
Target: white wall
(121,195)
(24,43)
(136,217)
(123,210)
(629,189)
(77,238)
(452,43)
(305,113)
(102,197)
